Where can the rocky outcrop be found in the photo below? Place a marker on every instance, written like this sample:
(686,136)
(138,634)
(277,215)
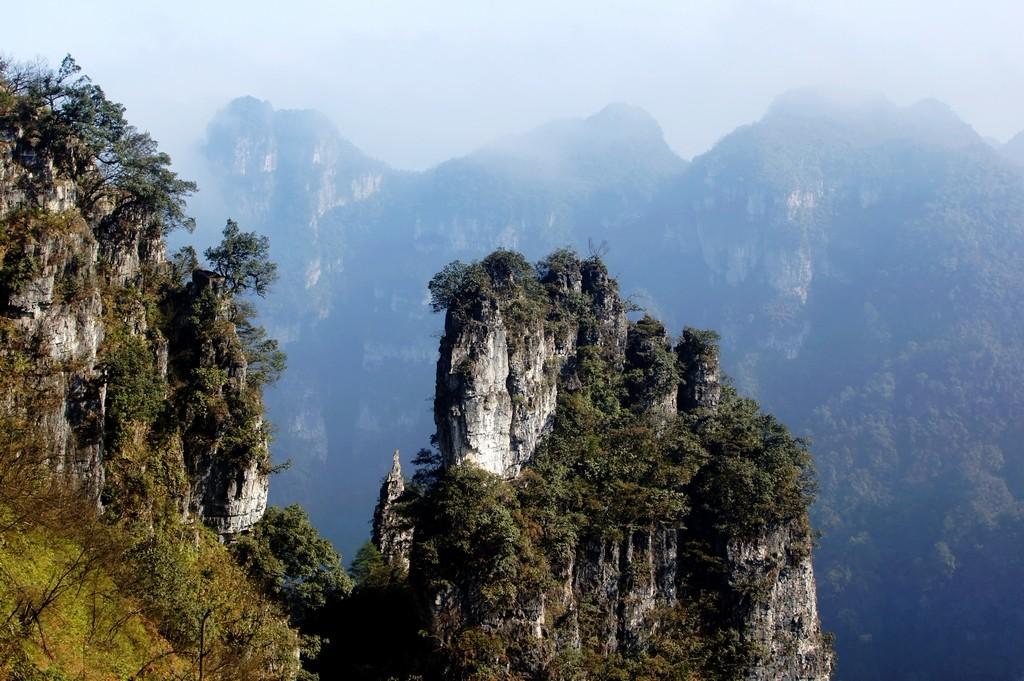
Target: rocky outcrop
(391,532)
(229,497)
(650,369)
(52,299)
(499,368)
(229,483)
(499,376)
(64,335)
(700,386)
(76,285)
(494,398)
(624,581)
(781,624)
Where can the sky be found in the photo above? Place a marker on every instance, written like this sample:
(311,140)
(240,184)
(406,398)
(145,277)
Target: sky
(415,83)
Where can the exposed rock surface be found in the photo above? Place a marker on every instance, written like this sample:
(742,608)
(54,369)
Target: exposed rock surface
(626,580)
(85,273)
(497,379)
(391,533)
(497,388)
(700,386)
(783,626)
(57,312)
(229,498)
(228,488)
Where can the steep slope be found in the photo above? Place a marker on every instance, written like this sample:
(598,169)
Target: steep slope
(353,317)
(579,525)
(1014,149)
(77,291)
(863,264)
(124,390)
(862,261)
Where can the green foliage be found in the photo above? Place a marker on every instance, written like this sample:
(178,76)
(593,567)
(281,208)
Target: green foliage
(68,118)
(469,530)
(757,476)
(614,463)
(243,259)
(135,390)
(504,276)
(20,232)
(216,407)
(480,655)
(66,614)
(651,372)
(449,285)
(266,362)
(371,572)
(702,342)
(127,594)
(286,554)
(184,261)
(17,268)
(181,584)
(558,263)
(367,564)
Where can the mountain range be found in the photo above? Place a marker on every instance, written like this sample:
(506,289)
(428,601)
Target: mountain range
(862,261)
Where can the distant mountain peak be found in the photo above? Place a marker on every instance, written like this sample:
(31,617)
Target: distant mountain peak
(256,124)
(616,141)
(873,116)
(1014,149)
(622,118)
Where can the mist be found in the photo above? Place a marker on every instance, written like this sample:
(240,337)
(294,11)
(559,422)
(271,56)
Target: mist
(813,213)
(415,84)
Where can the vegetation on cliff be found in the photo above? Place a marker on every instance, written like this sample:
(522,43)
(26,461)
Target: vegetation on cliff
(493,558)
(107,571)
(107,349)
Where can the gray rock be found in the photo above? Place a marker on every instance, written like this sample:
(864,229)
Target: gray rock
(782,624)
(497,386)
(497,389)
(59,318)
(391,533)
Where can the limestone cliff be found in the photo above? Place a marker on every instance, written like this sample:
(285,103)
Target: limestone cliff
(226,447)
(499,369)
(521,347)
(782,622)
(391,534)
(86,294)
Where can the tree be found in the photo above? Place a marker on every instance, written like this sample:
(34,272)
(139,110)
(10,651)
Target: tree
(184,261)
(262,353)
(289,557)
(65,115)
(447,284)
(243,259)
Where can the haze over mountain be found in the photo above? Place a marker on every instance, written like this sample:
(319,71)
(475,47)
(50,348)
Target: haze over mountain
(861,260)
(1014,149)
(716,165)
(357,241)
(416,85)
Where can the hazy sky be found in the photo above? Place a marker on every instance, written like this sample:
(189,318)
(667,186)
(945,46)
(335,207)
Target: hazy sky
(414,83)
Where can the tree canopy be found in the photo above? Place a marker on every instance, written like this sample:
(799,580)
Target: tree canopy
(66,116)
(243,259)
(287,554)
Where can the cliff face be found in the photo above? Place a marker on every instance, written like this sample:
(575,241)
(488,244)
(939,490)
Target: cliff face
(391,533)
(504,373)
(783,624)
(497,383)
(228,484)
(80,288)
(54,251)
